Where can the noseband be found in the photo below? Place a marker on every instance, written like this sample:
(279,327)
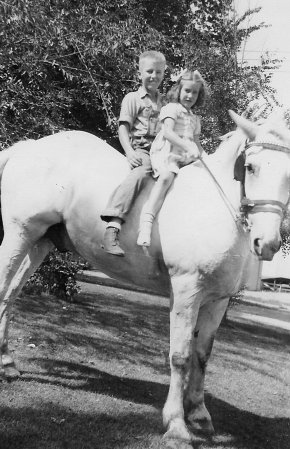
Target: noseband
(255,206)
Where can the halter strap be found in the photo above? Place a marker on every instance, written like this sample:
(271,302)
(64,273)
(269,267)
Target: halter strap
(268,146)
(255,206)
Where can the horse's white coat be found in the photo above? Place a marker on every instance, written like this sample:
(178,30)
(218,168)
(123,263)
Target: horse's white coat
(68,177)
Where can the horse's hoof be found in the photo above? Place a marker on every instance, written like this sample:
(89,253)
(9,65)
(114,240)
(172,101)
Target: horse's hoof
(178,432)
(203,427)
(174,443)
(199,421)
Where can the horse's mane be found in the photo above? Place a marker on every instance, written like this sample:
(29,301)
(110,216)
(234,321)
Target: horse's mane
(231,144)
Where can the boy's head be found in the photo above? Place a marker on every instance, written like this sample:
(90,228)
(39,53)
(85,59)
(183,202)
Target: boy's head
(151,69)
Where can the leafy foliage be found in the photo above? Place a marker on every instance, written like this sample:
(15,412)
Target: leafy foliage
(56,276)
(67,64)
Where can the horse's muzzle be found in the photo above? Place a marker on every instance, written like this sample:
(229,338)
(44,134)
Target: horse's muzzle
(266,251)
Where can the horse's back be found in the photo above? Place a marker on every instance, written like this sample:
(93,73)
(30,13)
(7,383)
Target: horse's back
(68,177)
(52,170)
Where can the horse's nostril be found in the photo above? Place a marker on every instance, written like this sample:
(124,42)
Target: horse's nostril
(257,246)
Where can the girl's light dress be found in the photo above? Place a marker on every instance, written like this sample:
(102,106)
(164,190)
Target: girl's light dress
(166,156)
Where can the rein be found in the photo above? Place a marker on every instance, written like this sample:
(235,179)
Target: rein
(222,193)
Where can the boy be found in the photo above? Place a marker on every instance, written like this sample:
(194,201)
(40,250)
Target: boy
(138,126)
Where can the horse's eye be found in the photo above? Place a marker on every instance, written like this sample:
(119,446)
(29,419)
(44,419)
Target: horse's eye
(249,168)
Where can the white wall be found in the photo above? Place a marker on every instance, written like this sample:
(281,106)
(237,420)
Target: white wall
(278,267)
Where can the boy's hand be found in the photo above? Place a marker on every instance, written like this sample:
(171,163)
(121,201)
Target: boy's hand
(133,159)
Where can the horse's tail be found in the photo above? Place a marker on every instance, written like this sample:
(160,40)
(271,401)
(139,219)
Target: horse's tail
(6,154)
(4,158)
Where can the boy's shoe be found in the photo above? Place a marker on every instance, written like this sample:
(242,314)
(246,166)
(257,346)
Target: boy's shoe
(111,242)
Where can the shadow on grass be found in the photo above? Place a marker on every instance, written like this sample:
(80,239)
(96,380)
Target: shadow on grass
(99,382)
(58,428)
(117,333)
(235,428)
(108,327)
(54,426)
(248,430)
(105,327)
(253,348)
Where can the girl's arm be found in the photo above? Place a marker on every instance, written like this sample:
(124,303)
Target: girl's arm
(197,141)
(174,138)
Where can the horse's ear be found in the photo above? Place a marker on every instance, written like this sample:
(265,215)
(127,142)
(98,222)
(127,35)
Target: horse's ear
(249,128)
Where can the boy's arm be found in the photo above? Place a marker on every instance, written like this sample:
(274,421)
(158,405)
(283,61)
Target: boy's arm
(128,113)
(124,137)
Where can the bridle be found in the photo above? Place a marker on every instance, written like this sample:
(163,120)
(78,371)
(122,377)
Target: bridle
(247,205)
(254,206)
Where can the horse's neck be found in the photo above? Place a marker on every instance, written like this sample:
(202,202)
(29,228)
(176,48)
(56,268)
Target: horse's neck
(221,164)
(223,160)
(226,154)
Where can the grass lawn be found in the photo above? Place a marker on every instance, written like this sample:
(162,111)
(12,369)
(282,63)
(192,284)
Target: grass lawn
(95,375)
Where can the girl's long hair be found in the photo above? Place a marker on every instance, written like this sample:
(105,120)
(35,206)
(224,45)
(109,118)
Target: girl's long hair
(174,93)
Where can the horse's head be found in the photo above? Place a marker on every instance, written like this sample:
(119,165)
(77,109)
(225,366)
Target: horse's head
(266,181)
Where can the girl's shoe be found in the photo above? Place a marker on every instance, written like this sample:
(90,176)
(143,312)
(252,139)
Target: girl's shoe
(144,236)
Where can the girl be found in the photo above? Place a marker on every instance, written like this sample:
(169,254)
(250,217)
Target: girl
(176,145)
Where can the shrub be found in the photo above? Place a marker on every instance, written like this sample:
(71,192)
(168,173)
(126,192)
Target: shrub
(56,276)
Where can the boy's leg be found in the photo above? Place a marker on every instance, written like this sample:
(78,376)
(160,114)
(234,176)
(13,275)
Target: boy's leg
(153,206)
(121,202)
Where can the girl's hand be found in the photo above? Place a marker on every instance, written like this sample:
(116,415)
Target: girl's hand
(133,159)
(192,150)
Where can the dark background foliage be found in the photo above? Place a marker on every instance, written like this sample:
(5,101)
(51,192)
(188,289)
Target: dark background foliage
(67,64)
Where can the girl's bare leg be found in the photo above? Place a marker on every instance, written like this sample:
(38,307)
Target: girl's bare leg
(155,201)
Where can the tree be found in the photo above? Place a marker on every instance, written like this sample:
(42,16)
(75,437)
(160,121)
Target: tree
(66,64)
(212,41)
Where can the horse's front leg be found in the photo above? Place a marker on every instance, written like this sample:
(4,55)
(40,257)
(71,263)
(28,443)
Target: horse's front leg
(208,321)
(183,316)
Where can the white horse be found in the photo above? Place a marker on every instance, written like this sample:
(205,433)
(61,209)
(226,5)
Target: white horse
(200,245)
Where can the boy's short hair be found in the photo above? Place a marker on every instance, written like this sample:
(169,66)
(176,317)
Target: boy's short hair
(188,75)
(152,54)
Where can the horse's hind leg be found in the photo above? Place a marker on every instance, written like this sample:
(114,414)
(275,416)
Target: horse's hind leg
(209,318)
(29,264)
